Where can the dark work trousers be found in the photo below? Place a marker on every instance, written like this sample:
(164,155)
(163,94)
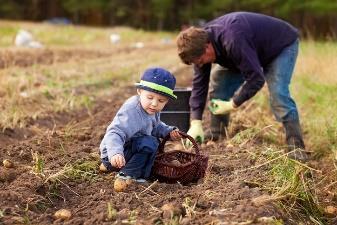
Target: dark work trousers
(139,154)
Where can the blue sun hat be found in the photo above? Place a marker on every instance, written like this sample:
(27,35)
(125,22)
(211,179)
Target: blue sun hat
(158,80)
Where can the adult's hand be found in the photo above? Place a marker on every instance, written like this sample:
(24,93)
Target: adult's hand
(196,132)
(220,107)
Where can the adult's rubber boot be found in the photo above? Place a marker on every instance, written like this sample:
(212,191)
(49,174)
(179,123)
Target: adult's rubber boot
(219,124)
(296,147)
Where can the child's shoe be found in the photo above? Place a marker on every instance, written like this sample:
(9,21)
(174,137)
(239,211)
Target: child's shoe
(140,180)
(123,176)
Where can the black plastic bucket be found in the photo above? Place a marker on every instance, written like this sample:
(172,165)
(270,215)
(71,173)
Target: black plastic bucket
(177,112)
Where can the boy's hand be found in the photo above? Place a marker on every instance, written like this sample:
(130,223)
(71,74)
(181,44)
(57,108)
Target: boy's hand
(118,161)
(174,135)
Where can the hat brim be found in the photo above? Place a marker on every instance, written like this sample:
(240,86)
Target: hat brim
(138,85)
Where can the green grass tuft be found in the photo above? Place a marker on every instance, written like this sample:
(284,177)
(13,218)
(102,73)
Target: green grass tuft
(83,170)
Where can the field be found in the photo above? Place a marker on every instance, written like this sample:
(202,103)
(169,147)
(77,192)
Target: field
(56,103)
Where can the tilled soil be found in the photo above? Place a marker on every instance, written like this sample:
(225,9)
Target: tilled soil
(222,196)
(32,192)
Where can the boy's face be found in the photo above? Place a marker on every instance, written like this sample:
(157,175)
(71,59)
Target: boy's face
(152,102)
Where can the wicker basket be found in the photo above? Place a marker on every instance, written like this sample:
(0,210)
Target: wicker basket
(190,167)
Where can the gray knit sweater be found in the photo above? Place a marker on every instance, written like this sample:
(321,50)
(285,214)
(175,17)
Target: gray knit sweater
(130,121)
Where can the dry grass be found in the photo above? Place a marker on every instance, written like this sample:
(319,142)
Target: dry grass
(40,89)
(76,36)
(318,61)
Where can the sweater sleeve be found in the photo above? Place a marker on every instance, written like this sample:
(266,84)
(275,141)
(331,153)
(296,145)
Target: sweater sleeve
(121,129)
(199,90)
(161,129)
(244,55)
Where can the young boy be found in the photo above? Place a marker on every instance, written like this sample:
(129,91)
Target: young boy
(131,140)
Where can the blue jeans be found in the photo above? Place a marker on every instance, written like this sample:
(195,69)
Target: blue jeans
(278,73)
(139,154)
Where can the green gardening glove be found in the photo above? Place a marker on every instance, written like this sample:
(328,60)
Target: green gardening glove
(196,132)
(220,107)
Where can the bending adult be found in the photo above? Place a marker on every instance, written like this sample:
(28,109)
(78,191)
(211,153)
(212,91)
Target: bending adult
(249,50)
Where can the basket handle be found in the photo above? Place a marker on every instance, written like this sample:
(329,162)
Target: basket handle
(184,135)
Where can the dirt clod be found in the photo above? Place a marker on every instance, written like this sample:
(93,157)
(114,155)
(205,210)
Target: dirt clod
(7,175)
(170,210)
(330,210)
(7,163)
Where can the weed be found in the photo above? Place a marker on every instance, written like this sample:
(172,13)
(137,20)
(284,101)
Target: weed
(26,219)
(87,102)
(112,212)
(62,149)
(38,167)
(132,217)
(319,124)
(54,190)
(83,170)
(291,184)
(70,129)
(245,136)
(331,132)
(175,220)
(42,206)
(189,206)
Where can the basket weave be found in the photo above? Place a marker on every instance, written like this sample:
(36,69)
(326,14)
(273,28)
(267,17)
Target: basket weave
(192,166)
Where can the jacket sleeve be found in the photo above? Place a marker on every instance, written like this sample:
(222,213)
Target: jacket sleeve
(199,90)
(244,55)
(121,129)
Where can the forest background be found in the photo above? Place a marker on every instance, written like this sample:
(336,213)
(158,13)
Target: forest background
(316,19)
